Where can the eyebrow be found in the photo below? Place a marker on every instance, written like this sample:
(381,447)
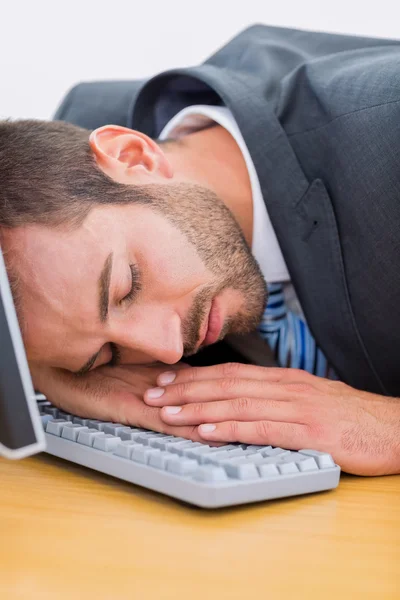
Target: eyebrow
(104,288)
(104,297)
(88,364)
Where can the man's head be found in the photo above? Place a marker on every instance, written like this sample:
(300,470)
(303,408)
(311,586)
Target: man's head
(115,254)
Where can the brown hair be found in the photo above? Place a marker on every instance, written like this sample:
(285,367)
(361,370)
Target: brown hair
(48,175)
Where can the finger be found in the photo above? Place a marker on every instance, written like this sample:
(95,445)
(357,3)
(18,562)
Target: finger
(130,373)
(127,374)
(292,436)
(232,370)
(238,409)
(223,389)
(133,411)
(150,418)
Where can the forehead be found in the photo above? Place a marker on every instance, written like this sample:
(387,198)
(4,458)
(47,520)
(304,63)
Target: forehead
(48,255)
(57,272)
(45,257)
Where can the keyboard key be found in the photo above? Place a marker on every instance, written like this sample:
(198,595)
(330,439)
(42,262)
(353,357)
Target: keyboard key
(230,460)
(274,451)
(275,460)
(237,451)
(174,440)
(115,428)
(161,442)
(160,459)
(51,410)
(100,425)
(264,450)
(216,458)
(324,460)
(155,442)
(268,470)
(71,432)
(210,474)
(256,448)
(79,421)
(225,448)
(215,453)
(142,453)
(125,448)
(41,399)
(45,419)
(179,447)
(144,438)
(197,452)
(241,470)
(55,426)
(131,435)
(41,406)
(66,416)
(87,437)
(186,450)
(308,464)
(213,458)
(294,456)
(182,466)
(106,442)
(287,468)
(256,458)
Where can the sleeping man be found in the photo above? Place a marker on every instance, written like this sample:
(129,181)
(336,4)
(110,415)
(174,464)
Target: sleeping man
(256,192)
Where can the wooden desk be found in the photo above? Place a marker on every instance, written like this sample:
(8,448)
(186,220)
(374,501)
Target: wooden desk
(67,532)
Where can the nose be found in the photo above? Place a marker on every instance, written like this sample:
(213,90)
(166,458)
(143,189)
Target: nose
(155,336)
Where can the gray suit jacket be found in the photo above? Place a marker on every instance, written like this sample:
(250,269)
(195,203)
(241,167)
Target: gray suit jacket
(320,115)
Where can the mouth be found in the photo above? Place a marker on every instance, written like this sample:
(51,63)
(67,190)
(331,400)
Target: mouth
(214,325)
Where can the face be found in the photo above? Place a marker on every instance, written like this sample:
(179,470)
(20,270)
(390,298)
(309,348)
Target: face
(136,283)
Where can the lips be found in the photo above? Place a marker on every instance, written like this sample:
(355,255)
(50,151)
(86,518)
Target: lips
(214,325)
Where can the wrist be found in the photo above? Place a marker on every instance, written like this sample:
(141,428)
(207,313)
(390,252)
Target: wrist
(391,437)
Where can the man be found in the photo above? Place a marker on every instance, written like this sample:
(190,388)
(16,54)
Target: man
(125,252)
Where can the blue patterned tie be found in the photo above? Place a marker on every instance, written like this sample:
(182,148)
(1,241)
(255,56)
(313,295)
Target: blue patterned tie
(289,337)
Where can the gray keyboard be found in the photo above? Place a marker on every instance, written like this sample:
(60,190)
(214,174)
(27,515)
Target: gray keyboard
(206,476)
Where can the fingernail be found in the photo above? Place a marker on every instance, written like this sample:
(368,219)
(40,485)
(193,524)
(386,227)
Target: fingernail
(155,392)
(172,410)
(167,377)
(207,428)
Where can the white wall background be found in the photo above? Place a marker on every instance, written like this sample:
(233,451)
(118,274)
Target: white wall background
(48,45)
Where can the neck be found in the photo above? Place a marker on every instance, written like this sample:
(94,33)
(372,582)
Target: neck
(212,158)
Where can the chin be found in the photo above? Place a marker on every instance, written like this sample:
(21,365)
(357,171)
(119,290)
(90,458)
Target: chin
(225,322)
(244,321)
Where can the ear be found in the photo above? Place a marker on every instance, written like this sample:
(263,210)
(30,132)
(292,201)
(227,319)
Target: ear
(129,156)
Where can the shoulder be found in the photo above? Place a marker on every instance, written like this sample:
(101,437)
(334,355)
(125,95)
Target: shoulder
(334,86)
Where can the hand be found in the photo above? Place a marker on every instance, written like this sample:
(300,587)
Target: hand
(109,394)
(288,408)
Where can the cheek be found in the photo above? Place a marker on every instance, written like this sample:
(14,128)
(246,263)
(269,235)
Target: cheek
(171,265)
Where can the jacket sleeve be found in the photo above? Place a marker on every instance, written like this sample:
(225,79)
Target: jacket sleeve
(97,103)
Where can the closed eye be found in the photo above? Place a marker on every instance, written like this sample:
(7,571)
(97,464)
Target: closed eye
(135,287)
(130,297)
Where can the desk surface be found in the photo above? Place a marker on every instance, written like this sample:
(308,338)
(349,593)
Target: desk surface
(68,532)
